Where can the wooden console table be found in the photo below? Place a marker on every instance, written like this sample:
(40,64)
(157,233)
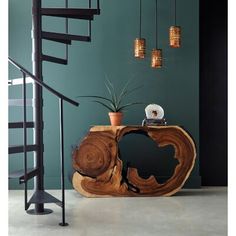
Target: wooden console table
(99,169)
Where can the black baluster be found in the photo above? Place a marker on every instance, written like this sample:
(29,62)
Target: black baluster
(25,139)
(63,223)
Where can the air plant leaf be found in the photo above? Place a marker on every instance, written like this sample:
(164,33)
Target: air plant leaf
(128,105)
(127,92)
(105,105)
(123,91)
(112,90)
(104,98)
(114,102)
(94,96)
(113,99)
(132,90)
(109,91)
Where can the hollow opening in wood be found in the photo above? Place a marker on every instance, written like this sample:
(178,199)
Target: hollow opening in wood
(138,150)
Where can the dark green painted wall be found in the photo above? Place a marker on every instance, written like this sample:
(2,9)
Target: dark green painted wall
(175,87)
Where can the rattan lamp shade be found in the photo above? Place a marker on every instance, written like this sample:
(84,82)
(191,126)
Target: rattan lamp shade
(139,48)
(156,61)
(175,36)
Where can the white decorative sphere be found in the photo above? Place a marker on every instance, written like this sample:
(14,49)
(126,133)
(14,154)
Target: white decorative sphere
(154,111)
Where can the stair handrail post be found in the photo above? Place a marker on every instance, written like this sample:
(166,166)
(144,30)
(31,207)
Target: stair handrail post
(38,97)
(25,139)
(63,223)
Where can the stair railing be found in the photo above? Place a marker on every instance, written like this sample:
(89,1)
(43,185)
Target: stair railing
(61,99)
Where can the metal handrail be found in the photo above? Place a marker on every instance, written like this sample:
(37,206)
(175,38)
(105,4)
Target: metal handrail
(41,83)
(61,98)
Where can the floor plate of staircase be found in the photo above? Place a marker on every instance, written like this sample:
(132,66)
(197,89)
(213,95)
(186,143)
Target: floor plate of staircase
(44,197)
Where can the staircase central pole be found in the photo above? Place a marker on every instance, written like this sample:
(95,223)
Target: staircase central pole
(38,102)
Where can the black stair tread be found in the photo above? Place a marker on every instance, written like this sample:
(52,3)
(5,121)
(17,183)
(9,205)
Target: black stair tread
(54,59)
(60,36)
(16,125)
(19,81)
(20,102)
(18,173)
(41,196)
(78,13)
(75,11)
(19,149)
(47,36)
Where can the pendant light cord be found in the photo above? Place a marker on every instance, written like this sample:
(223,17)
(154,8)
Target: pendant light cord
(156,26)
(140,18)
(175,12)
(66,25)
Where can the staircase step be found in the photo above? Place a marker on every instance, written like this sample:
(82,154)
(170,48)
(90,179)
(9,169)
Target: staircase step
(64,37)
(54,59)
(83,14)
(20,174)
(20,149)
(41,196)
(18,81)
(20,102)
(17,125)
(50,36)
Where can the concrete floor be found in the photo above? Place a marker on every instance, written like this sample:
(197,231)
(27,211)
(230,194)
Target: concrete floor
(199,212)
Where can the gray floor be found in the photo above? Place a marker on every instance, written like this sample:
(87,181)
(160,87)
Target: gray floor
(190,213)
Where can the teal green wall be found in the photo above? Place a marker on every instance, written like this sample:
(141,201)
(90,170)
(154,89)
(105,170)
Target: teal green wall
(175,87)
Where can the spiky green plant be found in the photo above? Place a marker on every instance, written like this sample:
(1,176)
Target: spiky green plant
(114,103)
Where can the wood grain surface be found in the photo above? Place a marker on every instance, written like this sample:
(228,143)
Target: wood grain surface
(98,168)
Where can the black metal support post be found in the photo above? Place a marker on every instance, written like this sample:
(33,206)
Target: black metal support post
(67,29)
(38,102)
(63,223)
(25,139)
(89,23)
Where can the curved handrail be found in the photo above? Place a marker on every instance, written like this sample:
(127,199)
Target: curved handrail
(41,83)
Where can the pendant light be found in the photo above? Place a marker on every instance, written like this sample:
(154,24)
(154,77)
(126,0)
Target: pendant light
(175,32)
(156,59)
(140,43)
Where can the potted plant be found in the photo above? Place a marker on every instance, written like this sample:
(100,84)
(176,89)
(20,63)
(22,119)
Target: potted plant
(114,102)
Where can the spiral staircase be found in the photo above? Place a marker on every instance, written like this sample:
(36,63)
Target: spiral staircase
(40,196)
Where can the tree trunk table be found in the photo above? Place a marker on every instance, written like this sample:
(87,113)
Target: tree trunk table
(99,168)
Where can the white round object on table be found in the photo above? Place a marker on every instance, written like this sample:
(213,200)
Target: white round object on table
(154,111)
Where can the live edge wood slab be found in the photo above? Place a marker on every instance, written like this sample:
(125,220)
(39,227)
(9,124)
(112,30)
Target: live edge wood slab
(99,168)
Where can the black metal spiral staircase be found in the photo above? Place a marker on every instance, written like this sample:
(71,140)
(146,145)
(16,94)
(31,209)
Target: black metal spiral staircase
(40,196)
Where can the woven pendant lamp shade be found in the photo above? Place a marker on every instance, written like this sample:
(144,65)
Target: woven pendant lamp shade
(175,36)
(156,61)
(140,42)
(156,57)
(175,31)
(139,48)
